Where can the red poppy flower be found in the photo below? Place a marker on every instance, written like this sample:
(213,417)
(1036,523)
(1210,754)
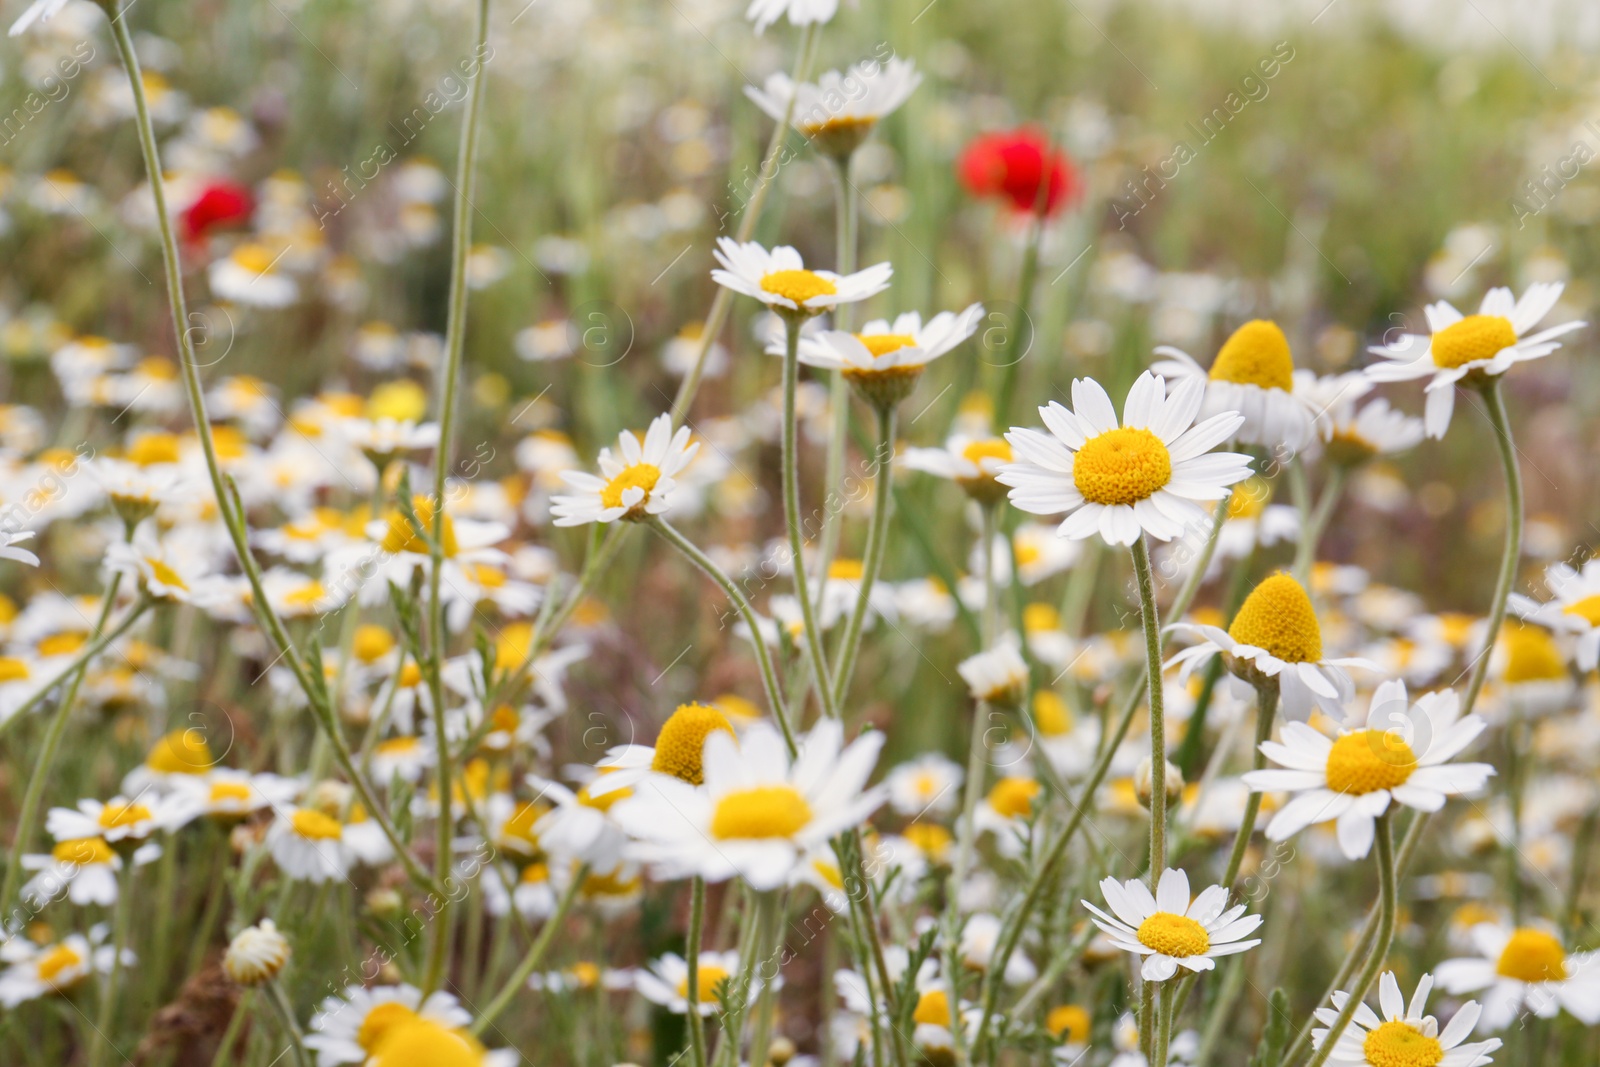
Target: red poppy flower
(1014,165)
(219,205)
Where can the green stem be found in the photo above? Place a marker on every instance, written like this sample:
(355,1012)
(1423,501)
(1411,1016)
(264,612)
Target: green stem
(536,951)
(241,1011)
(1380,948)
(33,797)
(722,302)
(1163,1028)
(791,515)
(105,1021)
(1025,279)
(872,562)
(1315,524)
(691,958)
(844,204)
(1158,726)
(767,933)
(769,678)
(291,1026)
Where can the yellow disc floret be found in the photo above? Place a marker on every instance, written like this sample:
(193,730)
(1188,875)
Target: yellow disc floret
(639,476)
(762,811)
(797,285)
(53,963)
(421,1043)
(401,536)
(1473,338)
(1013,797)
(83,852)
(706,982)
(881,344)
(682,740)
(117,815)
(313,825)
(1051,714)
(933,1009)
(1587,609)
(380,1020)
(1068,1022)
(1365,761)
(1172,935)
(1531,655)
(1398,1044)
(1277,616)
(181,752)
(1122,466)
(1256,354)
(1532,956)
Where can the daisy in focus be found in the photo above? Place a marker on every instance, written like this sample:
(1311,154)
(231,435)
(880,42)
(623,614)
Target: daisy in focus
(635,482)
(1482,346)
(1402,1036)
(884,360)
(1171,930)
(1123,481)
(780,280)
(759,812)
(1354,777)
(1524,968)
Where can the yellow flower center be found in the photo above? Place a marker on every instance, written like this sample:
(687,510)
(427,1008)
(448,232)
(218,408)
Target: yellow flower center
(181,752)
(614,884)
(881,344)
(706,982)
(849,570)
(1174,935)
(58,959)
(226,789)
(604,801)
(83,851)
(1587,609)
(371,642)
(535,874)
(1249,498)
(838,124)
(639,476)
(402,401)
(1122,466)
(115,816)
(1050,713)
(380,1020)
(1365,761)
(1277,616)
(1531,655)
(306,596)
(63,644)
(1397,1044)
(520,824)
(797,285)
(163,573)
(1532,956)
(930,839)
(315,826)
(992,448)
(933,1009)
(13,669)
(153,448)
(1473,338)
(1256,354)
(417,1042)
(1013,797)
(1069,1023)
(403,537)
(760,812)
(1040,618)
(255,258)
(682,740)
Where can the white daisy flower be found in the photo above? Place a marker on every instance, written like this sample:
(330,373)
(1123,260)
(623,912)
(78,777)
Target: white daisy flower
(1401,755)
(252,274)
(997,675)
(1353,435)
(1524,968)
(676,753)
(800,12)
(758,813)
(255,954)
(534,893)
(85,869)
(39,971)
(973,463)
(928,784)
(313,846)
(349,1028)
(665,981)
(1402,1036)
(20,555)
(1275,634)
(1143,476)
(1253,375)
(176,568)
(582,825)
(840,108)
(884,360)
(636,482)
(1486,344)
(780,280)
(118,819)
(225,794)
(1574,607)
(1169,929)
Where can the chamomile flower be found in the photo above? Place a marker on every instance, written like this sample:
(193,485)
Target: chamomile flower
(998,675)
(973,463)
(312,846)
(254,275)
(765,12)
(759,812)
(884,360)
(779,278)
(56,968)
(676,753)
(8,549)
(255,954)
(635,482)
(1484,345)
(1276,635)
(1524,967)
(349,1028)
(581,825)
(1253,375)
(170,569)
(1353,436)
(1171,930)
(118,820)
(532,890)
(1401,756)
(930,783)
(1402,1036)
(1574,607)
(227,795)
(665,981)
(85,870)
(1123,481)
(840,108)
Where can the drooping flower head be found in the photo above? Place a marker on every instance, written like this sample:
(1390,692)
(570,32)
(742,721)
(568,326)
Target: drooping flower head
(780,280)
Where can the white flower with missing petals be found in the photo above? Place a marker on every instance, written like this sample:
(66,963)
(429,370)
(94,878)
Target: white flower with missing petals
(1123,481)
(1487,344)
(1169,929)
(635,482)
